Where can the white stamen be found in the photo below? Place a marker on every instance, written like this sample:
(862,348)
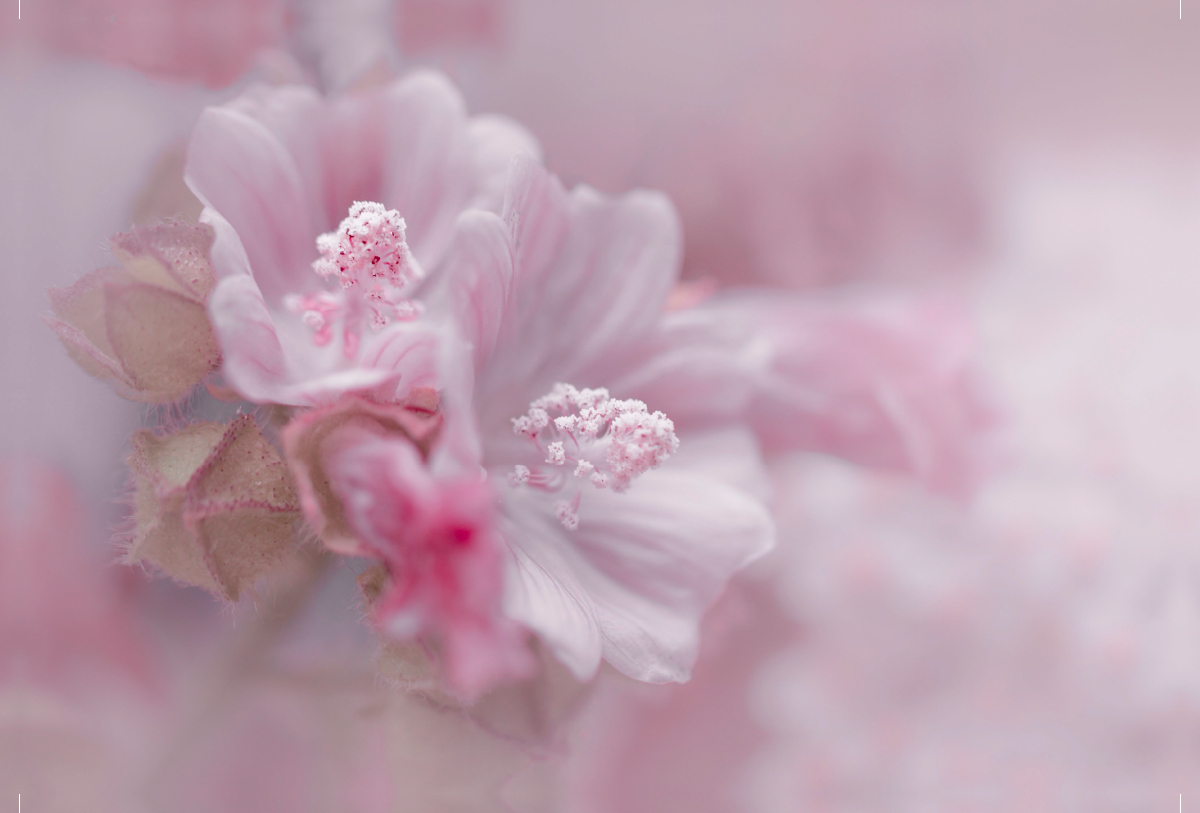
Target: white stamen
(567,515)
(369,256)
(611,441)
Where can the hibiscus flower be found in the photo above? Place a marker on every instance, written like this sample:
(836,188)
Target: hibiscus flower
(501,400)
(279,167)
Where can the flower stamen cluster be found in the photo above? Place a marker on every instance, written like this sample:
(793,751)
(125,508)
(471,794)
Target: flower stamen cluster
(610,441)
(370,258)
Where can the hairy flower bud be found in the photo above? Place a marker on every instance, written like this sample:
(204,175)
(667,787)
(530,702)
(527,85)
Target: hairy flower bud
(142,326)
(214,505)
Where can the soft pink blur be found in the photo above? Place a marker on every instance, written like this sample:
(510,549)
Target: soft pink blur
(207,41)
(1025,645)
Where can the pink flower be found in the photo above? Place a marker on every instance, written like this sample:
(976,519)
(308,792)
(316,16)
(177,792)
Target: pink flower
(279,167)
(445,561)
(626,434)
(619,434)
(620,532)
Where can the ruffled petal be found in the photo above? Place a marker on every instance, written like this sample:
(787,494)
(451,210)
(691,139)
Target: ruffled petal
(300,121)
(658,555)
(592,276)
(476,281)
(439,163)
(254,363)
(239,168)
(879,381)
(643,565)
(542,590)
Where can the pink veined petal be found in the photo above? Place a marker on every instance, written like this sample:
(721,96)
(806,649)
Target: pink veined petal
(437,164)
(476,281)
(879,381)
(729,454)
(496,142)
(883,381)
(617,268)
(600,293)
(700,368)
(253,358)
(408,353)
(657,556)
(536,209)
(238,167)
(325,389)
(295,115)
(542,590)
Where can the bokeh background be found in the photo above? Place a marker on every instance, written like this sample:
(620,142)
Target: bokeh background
(1033,644)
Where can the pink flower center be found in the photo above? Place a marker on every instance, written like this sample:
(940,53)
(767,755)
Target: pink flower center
(369,256)
(609,441)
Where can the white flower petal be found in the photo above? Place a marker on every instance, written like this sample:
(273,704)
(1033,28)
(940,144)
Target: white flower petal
(543,593)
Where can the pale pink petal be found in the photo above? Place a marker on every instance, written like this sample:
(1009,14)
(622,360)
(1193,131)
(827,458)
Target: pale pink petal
(476,281)
(880,381)
(438,163)
(543,591)
(239,168)
(536,209)
(660,554)
(640,569)
(613,278)
(407,353)
(598,293)
(254,362)
(297,117)
(699,367)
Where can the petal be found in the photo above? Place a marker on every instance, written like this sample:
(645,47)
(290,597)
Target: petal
(657,556)
(254,363)
(542,590)
(700,367)
(239,168)
(437,164)
(613,277)
(476,280)
(406,355)
(583,298)
(880,381)
(300,120)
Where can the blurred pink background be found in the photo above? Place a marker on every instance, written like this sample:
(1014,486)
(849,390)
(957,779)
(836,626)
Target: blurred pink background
(1032,646)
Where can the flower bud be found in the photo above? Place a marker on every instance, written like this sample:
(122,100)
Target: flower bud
(214,505)
(310,437)
(143,326)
